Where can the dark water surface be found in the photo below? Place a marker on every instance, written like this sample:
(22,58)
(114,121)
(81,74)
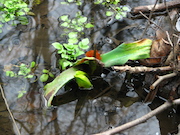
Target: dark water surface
(112,102)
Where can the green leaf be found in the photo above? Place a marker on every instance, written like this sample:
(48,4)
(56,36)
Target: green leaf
(82,80)
(82,20)
(45,71)
(109,13)
(29,76)
(52,88)
(64,63)
(127,51)
(65,24)
(83,44)
(21,93)
(72,40)
(10,74)
(33,64)
(58,46)
(64,17)
(44,77)
(51,75)
(73,35)
(89,25)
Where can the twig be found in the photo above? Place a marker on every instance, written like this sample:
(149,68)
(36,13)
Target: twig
(141,119)
(150,16)
(141,69)
(7,106)
(151,21)
(161,78)
(159,7)
(174,52)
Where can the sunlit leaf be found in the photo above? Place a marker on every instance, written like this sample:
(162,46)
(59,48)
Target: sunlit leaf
(89,25)
(73,35)
(29,76)
(33,64)
(127,51)
(52,88)
(109,13)
(64,17)
(72,40)
(82,80)
(45,71)
(44,77)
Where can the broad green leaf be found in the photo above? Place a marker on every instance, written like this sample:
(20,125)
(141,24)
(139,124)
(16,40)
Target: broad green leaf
(82,80)
(127,51)
(52,88)
(44,77)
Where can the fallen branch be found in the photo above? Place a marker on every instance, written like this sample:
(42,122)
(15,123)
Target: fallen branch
(7,106)
(161,78)
(141,119)
(142,69)
(158,7)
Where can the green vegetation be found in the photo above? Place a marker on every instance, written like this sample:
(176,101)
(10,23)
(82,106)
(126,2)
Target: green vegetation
(45,76)
(75,45)
(11,10)
(24,70)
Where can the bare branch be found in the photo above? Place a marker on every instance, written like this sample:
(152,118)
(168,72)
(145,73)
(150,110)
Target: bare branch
(7,106)
(141,119)
(158,8)
(142,69)
(161,78)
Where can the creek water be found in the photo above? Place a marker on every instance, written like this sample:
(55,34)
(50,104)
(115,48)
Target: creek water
(77,112)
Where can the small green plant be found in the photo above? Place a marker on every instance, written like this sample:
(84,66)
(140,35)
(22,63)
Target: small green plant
(45,76)
(24,70)
(21,93)
(113,8)
(11,10)
(75,45)
(76,24)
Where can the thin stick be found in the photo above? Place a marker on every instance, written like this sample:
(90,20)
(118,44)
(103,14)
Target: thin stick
(141,119)
(139,69)
(161,78)
(7,106)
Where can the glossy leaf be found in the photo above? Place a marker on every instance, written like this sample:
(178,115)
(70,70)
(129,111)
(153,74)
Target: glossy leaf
(44,77)
(127,51)
(82,80)
(52,88)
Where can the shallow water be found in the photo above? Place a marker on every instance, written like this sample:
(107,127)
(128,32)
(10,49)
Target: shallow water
(78,112)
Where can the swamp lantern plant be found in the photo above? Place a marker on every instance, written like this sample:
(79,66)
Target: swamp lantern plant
(93,60)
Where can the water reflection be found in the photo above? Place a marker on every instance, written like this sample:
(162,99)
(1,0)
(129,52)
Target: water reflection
(77,112)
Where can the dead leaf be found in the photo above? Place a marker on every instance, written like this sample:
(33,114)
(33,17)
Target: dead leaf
(159,50)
